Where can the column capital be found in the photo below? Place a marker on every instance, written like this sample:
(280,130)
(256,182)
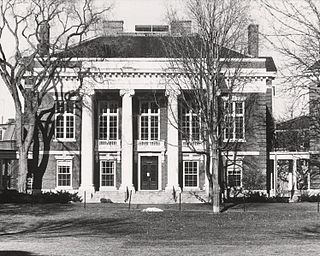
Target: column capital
(129,92)
(172,93)
(87,91)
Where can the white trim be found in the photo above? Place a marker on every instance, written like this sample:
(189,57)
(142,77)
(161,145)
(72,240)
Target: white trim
(241,153)
(108,115)
(64,115)
(234,115)
(160,160)
(187,188)
(193,157)
(149,115)
(64,157)
(68,162)
(240,166)
(59,152)
(108,188)
(287,155)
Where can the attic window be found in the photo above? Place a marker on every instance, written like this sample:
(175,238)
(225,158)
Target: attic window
(151,28)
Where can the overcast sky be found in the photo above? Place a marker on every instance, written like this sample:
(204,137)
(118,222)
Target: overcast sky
(135,12)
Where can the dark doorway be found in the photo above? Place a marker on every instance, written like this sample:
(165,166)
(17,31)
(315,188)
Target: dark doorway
(149,173)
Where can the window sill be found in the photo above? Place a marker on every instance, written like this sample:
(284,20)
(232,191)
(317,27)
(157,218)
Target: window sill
(234,140)
(64,140)
(197,189)
(105,188)
(63,188)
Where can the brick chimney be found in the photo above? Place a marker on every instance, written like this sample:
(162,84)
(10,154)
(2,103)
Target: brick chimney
(253,40)
(112,27)
(44,38)
(179,27)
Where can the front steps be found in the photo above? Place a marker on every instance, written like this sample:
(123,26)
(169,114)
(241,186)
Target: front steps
(149,197)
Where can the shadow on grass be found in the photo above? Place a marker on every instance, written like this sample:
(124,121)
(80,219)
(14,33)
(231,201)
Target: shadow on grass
(312,232)
(104,227)
(17,253)
(34,209)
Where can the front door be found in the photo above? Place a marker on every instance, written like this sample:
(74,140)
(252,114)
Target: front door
(149,173)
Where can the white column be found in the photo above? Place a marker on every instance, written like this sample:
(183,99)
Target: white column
(126,140)
(172,141)
(87,144)
(294,174)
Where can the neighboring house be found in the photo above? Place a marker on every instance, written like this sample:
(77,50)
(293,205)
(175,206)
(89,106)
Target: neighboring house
(120,137)
(8,156)
(294,159)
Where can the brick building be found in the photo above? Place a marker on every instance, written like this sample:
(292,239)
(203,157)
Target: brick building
(120,136)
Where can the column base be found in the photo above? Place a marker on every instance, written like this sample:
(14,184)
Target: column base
(170,188)
(124,187)
(86,191)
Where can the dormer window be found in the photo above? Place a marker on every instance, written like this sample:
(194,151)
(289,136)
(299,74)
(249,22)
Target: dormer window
(151,28)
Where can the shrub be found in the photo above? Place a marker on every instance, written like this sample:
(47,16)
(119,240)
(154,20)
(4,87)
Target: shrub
(310,198)
(13,196)
(105,200)
(256,197)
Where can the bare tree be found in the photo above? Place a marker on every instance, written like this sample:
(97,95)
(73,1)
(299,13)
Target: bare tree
(38,31)
(296,35)
(211,60)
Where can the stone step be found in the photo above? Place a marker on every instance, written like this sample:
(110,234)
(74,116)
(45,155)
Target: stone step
(149,197)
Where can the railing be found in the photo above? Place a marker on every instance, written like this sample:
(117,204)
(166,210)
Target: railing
(109,145)
(150,145)
(195,145)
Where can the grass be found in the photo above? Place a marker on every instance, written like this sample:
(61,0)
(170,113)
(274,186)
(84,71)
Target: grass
(110,229)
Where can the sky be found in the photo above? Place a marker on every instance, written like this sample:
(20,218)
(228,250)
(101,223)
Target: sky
(135,12)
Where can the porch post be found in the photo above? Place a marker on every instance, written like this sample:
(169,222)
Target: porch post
(127,141)
(294,174)
(87,144)
(172,142)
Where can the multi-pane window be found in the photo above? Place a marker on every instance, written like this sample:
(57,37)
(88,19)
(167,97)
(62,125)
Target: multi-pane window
(190,124)
(190,173)
(234,173)
(107,173)
(149,120)
(234,120)
(65,120)
(108,121)
(64,176)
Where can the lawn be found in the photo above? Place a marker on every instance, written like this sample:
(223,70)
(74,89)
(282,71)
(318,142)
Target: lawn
(111,229)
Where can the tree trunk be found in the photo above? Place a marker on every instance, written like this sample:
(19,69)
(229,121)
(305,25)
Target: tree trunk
(215,182)
(23,170)
(37,182)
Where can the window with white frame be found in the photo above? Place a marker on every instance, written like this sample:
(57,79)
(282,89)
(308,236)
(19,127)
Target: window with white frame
(108,120)
(190,124)
(65,120)
(64,173)
(234,173)
(234,120)
(149,120)
(107,173)
(191,174)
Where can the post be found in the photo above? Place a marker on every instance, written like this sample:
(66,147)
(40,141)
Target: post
(130,199)
(180,202)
